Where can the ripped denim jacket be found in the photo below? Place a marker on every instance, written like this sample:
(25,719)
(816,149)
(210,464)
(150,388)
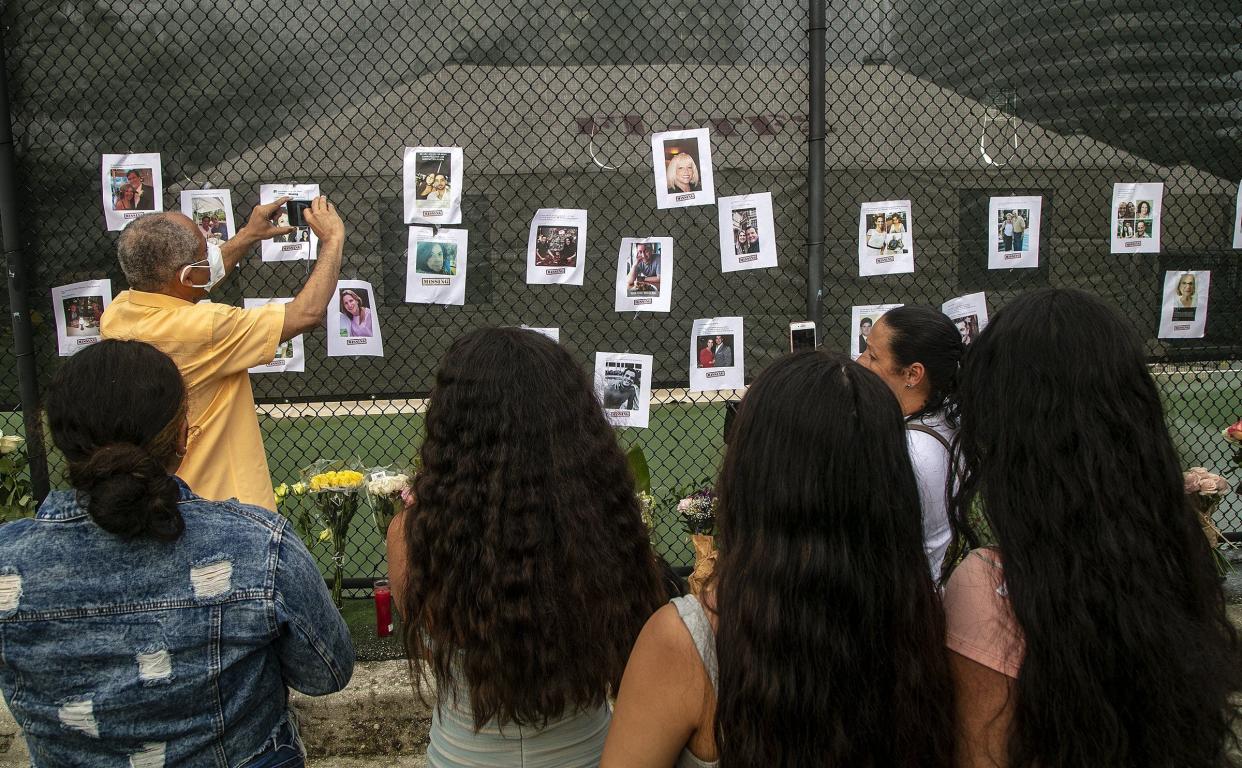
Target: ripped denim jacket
(118,652)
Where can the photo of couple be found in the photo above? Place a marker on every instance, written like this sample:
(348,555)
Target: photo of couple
(715,351)
(1011,228)
(132,189)
(212,219)
(434,169)
(745,231)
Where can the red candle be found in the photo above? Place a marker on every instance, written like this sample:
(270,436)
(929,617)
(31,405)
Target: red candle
(383,608)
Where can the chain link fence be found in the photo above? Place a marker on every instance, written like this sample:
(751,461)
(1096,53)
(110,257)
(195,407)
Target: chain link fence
(943,103)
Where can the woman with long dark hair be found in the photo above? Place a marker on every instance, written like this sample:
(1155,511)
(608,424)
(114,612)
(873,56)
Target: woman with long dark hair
(142,624)
(524,571)
(820,641)
(1094,633)
(916,350)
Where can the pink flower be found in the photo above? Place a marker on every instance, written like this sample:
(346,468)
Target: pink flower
(1234,433)
(1213,485)
(1198,480)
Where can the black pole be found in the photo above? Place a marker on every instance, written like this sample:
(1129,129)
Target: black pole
(23,337)
(816,33)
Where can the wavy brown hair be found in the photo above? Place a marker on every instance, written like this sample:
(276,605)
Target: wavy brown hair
(530,571)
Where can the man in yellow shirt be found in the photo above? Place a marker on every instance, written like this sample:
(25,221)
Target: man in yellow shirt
(170,267)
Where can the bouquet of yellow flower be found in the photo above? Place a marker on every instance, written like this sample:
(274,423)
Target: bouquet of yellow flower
(336,487)
(302,519)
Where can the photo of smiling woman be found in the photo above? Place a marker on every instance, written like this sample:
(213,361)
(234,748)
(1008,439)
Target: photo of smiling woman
(682,170)
(356,314)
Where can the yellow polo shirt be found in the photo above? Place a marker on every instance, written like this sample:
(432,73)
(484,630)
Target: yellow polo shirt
(213,345)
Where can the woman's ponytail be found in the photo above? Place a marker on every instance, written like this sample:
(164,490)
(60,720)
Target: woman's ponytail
(128,492)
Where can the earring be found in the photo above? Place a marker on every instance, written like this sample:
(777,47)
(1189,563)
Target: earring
(909,386)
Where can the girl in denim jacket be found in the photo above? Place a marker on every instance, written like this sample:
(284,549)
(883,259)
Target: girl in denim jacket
(140,624)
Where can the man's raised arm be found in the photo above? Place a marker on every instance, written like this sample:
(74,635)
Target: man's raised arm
(307,308)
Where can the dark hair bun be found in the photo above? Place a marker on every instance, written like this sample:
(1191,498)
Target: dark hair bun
(128,492)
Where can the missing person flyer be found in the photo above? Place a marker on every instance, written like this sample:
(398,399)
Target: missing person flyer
(290,354)
(747,235)
(623,384)
(78,309)
(353,321)
(885,238)
(435,270)
(556,247)
(132,186)
(716,354)
(301,243)
(431,182)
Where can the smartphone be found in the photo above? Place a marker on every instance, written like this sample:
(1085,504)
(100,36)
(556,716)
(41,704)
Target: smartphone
(296,209)
(802,335)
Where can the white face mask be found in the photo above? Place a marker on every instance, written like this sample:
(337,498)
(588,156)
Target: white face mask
(214,263)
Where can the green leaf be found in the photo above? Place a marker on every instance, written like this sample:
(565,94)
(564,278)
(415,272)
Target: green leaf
(639,468)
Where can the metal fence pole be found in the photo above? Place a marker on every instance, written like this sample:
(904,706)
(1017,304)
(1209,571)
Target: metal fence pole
(23,342)
(816,32)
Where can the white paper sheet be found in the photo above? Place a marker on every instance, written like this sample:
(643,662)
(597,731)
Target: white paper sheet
(969,313)
(716,360)
(1012,228)
(353,321)
(291,355)
(885,238)
(1184,311)
(623,384)
(682,182)
(435,266)
(432,181)
(1237,219)
(132,185)
(644,274)
(551,333)
(297,245)
(862,319)
(556,247)
(1136,217)
(77,308)
(212,211)
(747,234)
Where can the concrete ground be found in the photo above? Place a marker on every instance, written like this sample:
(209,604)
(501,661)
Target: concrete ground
(376,721)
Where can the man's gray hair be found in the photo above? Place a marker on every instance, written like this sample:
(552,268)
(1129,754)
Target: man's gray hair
(152,248)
